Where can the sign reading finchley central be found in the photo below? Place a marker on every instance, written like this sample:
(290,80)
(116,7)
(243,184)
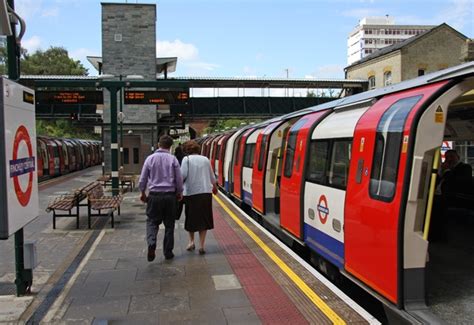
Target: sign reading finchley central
(18,175)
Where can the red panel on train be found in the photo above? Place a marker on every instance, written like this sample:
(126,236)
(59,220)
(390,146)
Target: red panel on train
(291,195)
(376,187)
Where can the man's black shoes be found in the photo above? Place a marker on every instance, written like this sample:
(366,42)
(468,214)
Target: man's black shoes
(151,253)
(169,256)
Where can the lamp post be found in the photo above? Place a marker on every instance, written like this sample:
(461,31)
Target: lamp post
(121,118)
(24,278)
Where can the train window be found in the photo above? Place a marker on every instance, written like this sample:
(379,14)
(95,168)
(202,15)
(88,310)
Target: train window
(263,146)
(290,153)
(339,167)
(388,143)
(248,155)
(237,151)
(291,148)
(316,170)
(126,156)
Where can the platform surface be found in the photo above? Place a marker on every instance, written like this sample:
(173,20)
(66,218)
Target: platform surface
(102,276)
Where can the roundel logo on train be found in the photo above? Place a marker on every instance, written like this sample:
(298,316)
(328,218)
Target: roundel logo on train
(22,166)
(323,209)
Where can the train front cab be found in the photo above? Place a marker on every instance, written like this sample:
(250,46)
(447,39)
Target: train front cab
(389,186)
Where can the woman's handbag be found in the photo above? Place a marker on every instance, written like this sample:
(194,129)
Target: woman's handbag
(179,210)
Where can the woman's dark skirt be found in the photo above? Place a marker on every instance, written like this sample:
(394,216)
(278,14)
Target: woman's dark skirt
(198,212)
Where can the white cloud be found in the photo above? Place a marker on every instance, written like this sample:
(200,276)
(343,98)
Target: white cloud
(329,71)
(189,62)
(81,54)
(28,8)
(362,12)
(32,44)
(50,12)
(184,51)
(201,65)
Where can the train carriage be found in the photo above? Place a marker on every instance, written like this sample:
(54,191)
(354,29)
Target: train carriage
(357,184)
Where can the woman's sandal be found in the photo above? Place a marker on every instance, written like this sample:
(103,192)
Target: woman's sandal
(190,247)
(202,251)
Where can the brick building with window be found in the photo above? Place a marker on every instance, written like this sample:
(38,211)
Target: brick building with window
(436,49)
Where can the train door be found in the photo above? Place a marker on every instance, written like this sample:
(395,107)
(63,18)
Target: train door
(44,156)
(247,169)
(326,174)
(62,156)
(293,170)
(446,232)
(220,164)
(377,188)
(55,168)
(259,168)
(238,163)
(214,153)
(229,156)
(39,159)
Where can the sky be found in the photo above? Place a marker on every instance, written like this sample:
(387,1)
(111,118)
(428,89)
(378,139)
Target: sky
(239,38)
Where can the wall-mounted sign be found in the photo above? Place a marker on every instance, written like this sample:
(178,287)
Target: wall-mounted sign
(18,174)
(156,97)
(68,97)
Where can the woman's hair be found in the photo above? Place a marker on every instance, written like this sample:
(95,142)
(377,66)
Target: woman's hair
(191,147)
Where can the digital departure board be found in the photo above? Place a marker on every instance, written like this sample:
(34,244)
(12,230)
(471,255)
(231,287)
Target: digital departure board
(69,97)
(156,97)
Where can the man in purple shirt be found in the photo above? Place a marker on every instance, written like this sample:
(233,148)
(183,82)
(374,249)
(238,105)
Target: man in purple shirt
(161,174)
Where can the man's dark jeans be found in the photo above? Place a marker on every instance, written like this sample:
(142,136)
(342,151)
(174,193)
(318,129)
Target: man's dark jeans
(161,207)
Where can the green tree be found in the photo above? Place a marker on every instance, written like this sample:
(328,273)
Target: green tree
(3,56)
(54,61)
(228,124)
(63,129)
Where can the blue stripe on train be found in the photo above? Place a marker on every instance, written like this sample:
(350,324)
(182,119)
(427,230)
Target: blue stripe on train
(328,247)
(226,186)
(247,197)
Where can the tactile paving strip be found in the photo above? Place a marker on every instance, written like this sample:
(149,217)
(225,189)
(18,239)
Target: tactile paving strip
(306,307)
(270,302)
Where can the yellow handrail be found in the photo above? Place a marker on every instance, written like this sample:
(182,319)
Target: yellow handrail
(429,208)
(277,166)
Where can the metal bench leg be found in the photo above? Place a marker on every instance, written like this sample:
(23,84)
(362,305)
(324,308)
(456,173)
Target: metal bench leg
(89,215)
(118,210)
(112,220)
(54,219)
(77,215)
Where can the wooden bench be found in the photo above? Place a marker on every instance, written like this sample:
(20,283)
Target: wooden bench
(98,201)
(126,182)
(67,202)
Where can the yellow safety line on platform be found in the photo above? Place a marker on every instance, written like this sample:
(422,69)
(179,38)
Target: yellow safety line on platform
(286,269)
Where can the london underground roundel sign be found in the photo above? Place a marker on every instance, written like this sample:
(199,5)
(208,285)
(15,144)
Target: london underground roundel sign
(323,209)
(22,166)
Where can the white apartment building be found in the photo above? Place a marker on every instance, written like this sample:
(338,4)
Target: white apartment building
(373,33)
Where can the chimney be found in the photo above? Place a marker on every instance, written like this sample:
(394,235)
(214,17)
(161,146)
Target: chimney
(468,51)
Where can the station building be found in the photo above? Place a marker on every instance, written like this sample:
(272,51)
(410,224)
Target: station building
(374,33)
(129,52)
(436,49)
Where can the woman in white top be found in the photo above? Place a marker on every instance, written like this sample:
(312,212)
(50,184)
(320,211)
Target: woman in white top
(199,184)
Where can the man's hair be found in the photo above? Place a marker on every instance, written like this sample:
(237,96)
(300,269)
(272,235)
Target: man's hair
(165,142)
(192,147)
